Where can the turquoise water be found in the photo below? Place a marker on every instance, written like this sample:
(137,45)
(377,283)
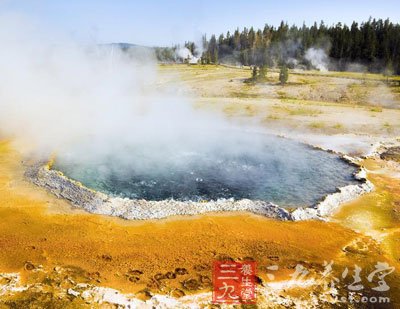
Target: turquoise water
(265,168)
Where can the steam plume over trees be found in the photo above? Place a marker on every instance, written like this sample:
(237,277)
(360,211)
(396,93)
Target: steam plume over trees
(374,45)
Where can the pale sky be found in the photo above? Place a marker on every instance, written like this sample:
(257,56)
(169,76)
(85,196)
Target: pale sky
(163,23)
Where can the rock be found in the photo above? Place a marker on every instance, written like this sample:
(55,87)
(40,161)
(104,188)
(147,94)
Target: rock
(392,153)
(177,293)
(305,214)
(29,266)
(73,292)
(82,285)
(181,271)
(86,295)
(205,280)
(361,174)
(106,257)
(134,272)
(170,275)
(143,295)
(159,276)
(345,194)
(191,284)
(274,258)
(57,269)
(332,202)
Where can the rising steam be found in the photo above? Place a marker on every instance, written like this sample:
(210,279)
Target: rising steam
(317,58)
(184,54)
(91,101)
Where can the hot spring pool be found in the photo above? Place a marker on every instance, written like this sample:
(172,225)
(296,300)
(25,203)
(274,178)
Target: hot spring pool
(266,168)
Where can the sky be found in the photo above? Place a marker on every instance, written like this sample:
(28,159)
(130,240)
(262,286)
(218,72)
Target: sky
(164,23)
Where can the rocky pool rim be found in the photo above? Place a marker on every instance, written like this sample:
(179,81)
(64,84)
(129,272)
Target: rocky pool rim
(55,182)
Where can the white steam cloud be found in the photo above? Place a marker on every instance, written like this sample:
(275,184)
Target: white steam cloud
(184,54)
(317,58)
(92,101)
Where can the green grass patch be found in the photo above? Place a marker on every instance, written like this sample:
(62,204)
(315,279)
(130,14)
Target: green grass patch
(283,96)
(298,110)
(244,95)
(338,126)
(376,109)
(273,117)
(317,125)
(389,128)
(307,81)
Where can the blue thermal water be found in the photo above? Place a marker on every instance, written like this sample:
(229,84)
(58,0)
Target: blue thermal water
(269,168)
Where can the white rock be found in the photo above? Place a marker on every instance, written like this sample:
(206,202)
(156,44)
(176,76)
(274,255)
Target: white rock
(73,292)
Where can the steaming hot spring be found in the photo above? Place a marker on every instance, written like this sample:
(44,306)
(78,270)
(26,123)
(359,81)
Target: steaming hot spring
(147,150)
(238,166)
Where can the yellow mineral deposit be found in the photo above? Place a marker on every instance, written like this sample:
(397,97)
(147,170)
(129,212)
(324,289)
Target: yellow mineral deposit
(39,231)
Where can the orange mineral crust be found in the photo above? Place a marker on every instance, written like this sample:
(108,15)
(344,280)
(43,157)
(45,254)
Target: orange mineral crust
(39,231)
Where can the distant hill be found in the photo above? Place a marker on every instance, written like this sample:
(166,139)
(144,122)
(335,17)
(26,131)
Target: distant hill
(138,52)
(125,46)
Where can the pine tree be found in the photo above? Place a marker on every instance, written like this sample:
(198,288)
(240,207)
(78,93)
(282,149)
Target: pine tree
(254,73)
(244,57)
(263,73)
(283,75)
(215,55)
(388,71)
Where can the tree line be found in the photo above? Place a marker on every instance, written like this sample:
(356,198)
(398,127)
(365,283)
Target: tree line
(373,46)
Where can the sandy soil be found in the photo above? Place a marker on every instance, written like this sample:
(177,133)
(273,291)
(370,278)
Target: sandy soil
(56,246)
